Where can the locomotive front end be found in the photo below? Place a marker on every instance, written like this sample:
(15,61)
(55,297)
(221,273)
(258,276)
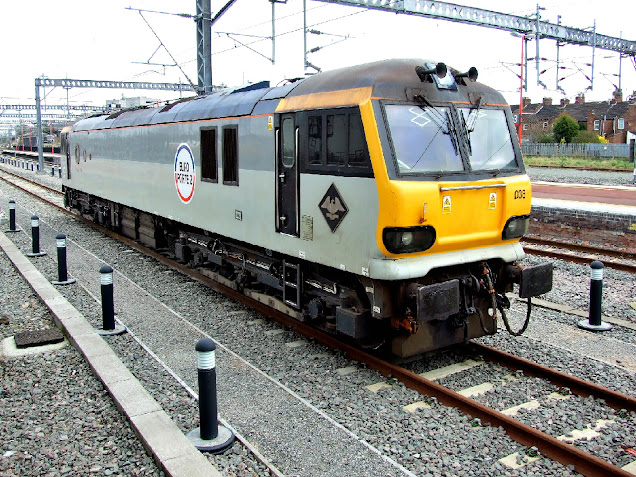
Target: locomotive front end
(454,202)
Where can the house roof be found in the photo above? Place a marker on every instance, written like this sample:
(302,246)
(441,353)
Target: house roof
(536,112)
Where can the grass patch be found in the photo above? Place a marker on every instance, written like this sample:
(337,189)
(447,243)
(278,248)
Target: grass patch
(579,163)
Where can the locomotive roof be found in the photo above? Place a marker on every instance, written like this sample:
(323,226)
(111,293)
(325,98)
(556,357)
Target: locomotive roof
(389,79)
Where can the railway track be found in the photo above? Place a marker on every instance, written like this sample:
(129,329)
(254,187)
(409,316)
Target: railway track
(555,448)
(616,259)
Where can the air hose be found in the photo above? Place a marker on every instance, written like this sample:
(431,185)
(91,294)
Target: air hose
(497,306)
(525,325)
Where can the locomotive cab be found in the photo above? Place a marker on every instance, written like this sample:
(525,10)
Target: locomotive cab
(455,200)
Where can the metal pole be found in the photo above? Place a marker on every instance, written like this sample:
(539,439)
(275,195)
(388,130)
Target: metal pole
(38,107)
(523,42)
(62,271)
(273,32)
(206,368)
(525,65)
(538,58)
(558,44)
(12,227)
(108,310)
(620,67)
(35,238)
(210,436)
(593,55)
(108,306)
(305,35)
(204,46)
(594,322)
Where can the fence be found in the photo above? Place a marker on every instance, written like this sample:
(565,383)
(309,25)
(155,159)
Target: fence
(584,150)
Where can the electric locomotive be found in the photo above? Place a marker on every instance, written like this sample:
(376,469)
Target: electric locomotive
(382,202)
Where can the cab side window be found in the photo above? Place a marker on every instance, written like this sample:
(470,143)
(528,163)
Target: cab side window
(333,142)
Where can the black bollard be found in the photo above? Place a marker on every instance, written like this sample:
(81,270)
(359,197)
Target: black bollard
(210,436)
(35,238)
(62,272)
(12,227)
(109,327)
(594,322)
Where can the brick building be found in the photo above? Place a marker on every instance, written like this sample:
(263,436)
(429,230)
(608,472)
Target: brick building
(610,119)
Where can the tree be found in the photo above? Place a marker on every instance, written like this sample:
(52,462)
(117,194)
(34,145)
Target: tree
(565,127)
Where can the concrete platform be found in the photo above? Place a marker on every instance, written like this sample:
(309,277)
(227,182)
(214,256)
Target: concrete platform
(170,448)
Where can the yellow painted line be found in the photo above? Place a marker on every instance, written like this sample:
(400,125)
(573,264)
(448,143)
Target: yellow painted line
(440,373)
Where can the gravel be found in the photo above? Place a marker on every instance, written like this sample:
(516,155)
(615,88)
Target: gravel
(57,418)
(435,441)
(577,176)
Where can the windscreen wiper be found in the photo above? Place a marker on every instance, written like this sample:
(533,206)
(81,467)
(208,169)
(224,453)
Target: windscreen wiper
(472,117)
(436,115)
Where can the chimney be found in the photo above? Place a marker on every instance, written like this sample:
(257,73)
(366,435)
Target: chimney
(526,101)
(580,99)
(547,101)
(565,101)
(618,96)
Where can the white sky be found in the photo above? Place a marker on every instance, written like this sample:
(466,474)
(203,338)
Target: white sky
(87,39)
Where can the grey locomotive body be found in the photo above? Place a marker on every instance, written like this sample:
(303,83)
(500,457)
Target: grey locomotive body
(295,195)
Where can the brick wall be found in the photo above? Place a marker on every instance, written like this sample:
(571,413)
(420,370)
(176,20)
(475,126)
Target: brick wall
(592,228)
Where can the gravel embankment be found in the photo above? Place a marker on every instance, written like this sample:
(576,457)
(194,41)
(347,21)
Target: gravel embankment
(576,176)
(436,441)
(56,418)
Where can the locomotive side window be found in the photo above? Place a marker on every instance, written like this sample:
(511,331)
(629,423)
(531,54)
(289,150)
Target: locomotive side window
(209,167)
(288,142)
(336,139)
(333,142)
(358,155)
(230,155)
(314,145)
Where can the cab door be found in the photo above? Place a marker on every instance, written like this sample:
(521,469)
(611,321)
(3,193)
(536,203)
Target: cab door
(287,179)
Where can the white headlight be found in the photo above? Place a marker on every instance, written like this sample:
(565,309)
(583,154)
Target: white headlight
(407,238)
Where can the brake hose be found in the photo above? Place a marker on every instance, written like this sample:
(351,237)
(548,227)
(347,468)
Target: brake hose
(525,325)
(495,306)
